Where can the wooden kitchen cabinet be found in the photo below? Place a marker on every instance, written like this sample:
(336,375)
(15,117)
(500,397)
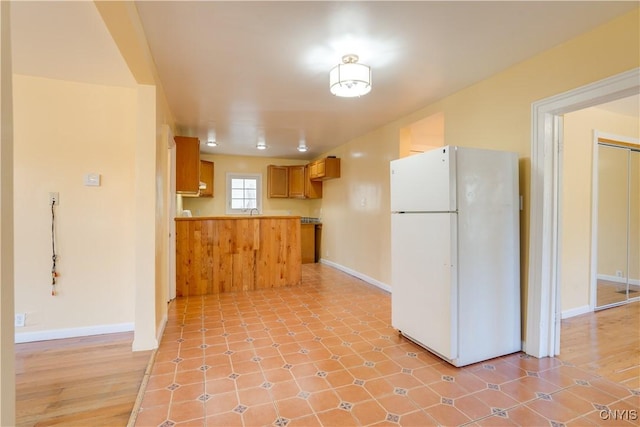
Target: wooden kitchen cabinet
(292,182)
(296,181)
(187,165)
(236,254)
(308,243)
(206,177)
(323,169)
(312,189)
(277,181)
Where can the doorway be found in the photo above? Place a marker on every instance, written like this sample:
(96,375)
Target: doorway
(542,327)
(616,222)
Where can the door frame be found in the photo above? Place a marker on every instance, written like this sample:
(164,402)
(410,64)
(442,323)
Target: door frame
(543,305)
(171,213)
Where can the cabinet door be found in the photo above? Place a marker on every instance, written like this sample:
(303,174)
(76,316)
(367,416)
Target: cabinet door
(312,189)
(320,168)
(307,243)
(331,168)
(327,168)
(206,177)
(277,181)
(313,170)
(187,165)
(296,181)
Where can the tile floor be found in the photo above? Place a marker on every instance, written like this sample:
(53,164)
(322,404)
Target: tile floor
(324,354)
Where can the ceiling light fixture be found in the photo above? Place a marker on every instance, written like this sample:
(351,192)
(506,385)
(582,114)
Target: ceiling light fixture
(302,147)
(350,79)
(212,143)
(261,145)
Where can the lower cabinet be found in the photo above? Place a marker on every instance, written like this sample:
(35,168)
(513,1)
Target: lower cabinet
(235,254)
(308,243)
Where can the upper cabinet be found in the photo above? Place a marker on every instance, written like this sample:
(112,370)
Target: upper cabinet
(292,182)
(277,181)
(323,169)
(296,181)
(206,178)
(312,189)
(187,165)
(301,181)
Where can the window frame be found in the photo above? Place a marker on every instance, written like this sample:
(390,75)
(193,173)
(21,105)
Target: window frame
(235,175)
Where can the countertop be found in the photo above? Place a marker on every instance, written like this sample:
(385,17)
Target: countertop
(204,218)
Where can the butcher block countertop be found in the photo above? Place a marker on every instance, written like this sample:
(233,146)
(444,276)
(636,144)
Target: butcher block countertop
(200,218)
(236,253)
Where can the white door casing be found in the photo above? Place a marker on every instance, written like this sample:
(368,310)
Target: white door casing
(542,328)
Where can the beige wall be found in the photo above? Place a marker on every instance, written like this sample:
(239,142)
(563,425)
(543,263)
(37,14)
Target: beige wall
(64,130)
(576,205)
(7,355)
(207,206)
(146,231)
(355,208)
(152,168)
(495,113)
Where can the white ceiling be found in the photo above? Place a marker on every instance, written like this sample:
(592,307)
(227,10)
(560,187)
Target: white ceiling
(242,71)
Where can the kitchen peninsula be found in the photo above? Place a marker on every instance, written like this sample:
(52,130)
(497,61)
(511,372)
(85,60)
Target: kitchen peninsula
(236,253)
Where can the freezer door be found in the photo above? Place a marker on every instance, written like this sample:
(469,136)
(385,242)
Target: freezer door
(424,182)
(424,280)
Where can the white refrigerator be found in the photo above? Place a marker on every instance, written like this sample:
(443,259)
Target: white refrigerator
(455,252)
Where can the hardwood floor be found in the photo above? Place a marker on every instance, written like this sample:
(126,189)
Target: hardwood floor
(606,343)
(87,381)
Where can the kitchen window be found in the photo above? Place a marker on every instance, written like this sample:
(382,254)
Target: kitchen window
(244,193)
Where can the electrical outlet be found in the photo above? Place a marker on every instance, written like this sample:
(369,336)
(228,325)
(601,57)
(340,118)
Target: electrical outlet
(21,319)
(54,198)
(619,273)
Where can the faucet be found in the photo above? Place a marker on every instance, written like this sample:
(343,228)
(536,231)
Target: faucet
(251,211)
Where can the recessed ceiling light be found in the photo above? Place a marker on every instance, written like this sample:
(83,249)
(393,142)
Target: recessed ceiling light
(261,145)
(302,147)
(212,143)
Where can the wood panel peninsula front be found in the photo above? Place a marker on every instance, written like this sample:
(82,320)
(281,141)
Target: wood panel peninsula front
(229,254)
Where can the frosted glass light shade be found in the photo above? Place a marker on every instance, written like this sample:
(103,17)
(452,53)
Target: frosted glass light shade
(350,79)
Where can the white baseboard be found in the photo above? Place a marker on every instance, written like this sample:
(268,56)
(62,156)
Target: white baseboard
(163,325)
(364,277)
(617,279)
(56,334)
(576,311)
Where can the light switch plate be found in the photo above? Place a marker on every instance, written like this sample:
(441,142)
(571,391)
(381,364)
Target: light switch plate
(92,180)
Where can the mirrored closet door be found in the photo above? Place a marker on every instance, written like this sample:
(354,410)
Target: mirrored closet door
(618,235)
